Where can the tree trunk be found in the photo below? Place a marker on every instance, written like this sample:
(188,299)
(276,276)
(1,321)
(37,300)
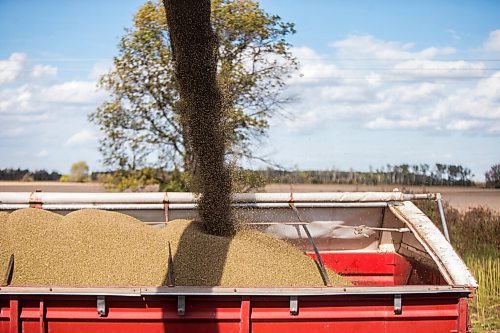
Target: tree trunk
(194,47)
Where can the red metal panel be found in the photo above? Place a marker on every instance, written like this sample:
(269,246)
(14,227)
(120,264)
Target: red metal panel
(349,314)
(350,263)
(463,321)
(402,270)
(421,313)
(4,314)
(369,269)
(245,315)
(14,315)
(143,327)
(42,316)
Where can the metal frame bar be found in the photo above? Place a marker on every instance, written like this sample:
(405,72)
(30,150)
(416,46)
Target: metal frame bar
(192,206)
(319,260)
(187,197)
(211,291)
(443,218)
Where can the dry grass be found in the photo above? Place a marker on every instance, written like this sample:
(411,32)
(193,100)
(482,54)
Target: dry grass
(475,235)
(485,307)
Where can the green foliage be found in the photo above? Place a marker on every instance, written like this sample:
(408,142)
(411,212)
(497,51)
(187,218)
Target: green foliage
(247,180)
(141,119)
(79,172)
(139,180)
(178,181)
(64,179)
(132,180)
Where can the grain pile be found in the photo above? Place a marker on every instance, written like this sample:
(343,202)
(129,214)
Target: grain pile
(100,248)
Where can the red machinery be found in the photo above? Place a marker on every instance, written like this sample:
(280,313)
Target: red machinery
(406,276)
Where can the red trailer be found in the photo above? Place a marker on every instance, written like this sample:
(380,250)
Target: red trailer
(406,275)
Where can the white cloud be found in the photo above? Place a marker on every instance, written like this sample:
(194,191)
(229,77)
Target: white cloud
(80,138)
(412,93)
(12,132)
(72,92)
(462,124)
(314,68)
(368,47)
(44,71)
(480,103)
(42,153)
(438,69)
(12,67)
(455,35)
(383,123)
(493,41)
(16,100)
(99,69)
(379,84)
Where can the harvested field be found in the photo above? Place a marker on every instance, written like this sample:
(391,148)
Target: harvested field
(100,248)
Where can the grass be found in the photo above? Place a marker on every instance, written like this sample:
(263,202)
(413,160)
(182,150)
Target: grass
(475,234)
(485,307)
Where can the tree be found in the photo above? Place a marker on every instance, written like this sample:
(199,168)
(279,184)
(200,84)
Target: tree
(79,172)
(141,120)
(492,176)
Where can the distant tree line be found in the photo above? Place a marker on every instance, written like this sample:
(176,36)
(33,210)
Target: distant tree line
(403,174)
(245,180)
(492,176)
(27,175)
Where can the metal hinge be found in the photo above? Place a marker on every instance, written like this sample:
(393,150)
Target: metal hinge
(181,305)
(398,305)
(101,306)
(294,305)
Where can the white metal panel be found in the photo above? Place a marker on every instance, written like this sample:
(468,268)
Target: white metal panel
(185,197)
(448,261)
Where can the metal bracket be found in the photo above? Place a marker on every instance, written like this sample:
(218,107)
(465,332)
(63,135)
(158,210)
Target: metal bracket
(101,306)
(170,268)
(294,305)
(34,200)
(181,305)
(10,272)
(166,206)
(363,229)
(398,305)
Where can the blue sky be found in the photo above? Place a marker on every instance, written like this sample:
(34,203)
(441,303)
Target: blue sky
(382,82)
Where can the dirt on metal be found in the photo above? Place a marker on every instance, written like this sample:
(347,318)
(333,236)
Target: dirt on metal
(102,248)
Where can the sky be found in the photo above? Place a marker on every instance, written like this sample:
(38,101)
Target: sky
(380,82)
